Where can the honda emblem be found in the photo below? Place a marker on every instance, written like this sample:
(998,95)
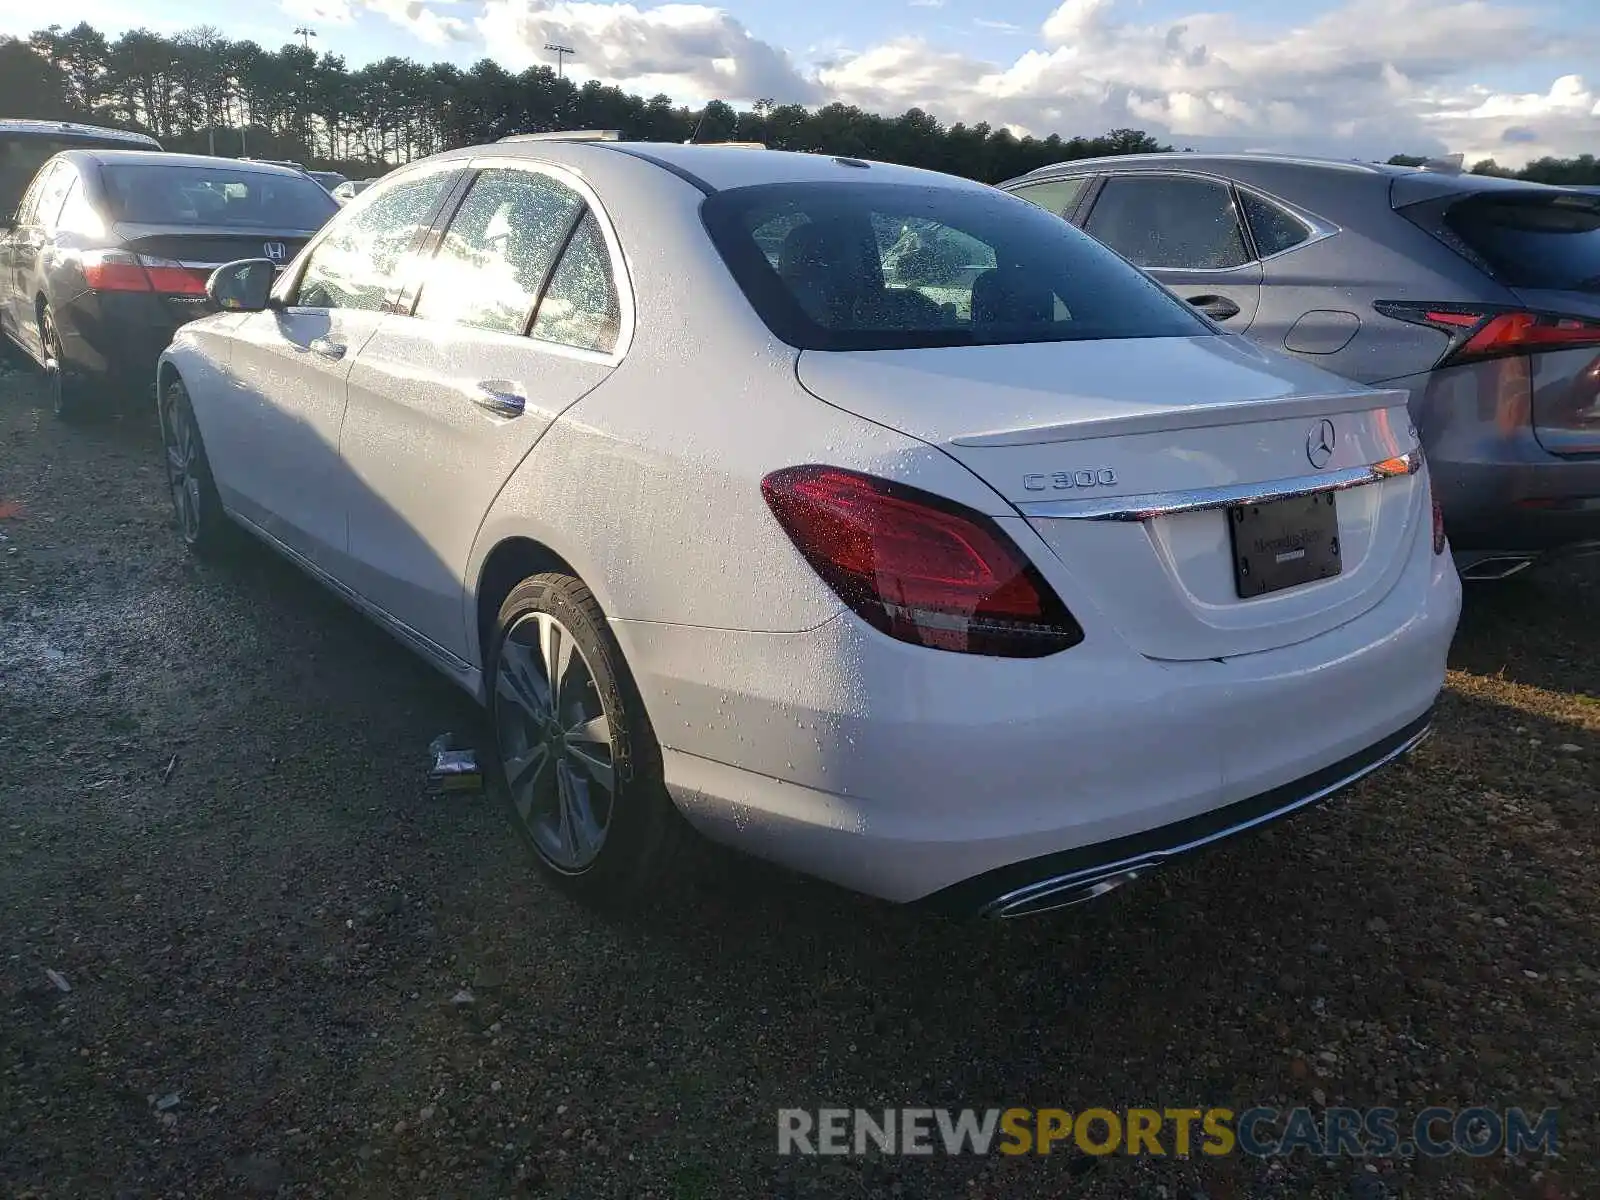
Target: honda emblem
(277,252)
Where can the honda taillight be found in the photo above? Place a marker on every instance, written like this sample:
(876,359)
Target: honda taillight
(119,271)
(114,271)
(918,567)
(172,278)
(1480,332)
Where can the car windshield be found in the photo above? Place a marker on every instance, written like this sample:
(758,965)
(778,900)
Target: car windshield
(1534,240)
(199,195)
(870,266)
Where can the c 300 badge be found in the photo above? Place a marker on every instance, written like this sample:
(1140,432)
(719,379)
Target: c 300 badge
(1061,481)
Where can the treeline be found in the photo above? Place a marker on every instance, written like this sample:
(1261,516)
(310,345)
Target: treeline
(1581,171)
(201,92)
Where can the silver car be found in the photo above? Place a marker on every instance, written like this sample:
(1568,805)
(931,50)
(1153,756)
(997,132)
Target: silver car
(1478,295)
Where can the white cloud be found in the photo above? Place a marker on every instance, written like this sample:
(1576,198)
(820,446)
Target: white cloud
(422,18)
(1369,78)
(676,48)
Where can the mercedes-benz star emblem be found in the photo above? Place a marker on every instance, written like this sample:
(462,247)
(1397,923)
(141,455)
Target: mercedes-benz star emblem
(276,251)
(1319,444)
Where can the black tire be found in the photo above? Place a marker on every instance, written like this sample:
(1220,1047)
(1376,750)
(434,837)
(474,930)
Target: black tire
(196,506)
(72,399)
(644,834)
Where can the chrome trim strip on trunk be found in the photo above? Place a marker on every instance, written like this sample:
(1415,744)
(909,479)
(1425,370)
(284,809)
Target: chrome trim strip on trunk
(1162,504)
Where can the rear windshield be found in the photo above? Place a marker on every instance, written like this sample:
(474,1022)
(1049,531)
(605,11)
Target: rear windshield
(1534,241)
(22,154)
(873,266)
(189,195)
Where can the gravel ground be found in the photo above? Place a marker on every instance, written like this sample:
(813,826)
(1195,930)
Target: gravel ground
(293,972)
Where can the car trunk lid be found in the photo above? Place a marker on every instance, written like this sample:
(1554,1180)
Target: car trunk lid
(205,248)
(1081,437)
(197,251)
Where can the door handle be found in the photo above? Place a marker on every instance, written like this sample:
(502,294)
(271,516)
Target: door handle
(1218,308)
(500,398)
(328,349)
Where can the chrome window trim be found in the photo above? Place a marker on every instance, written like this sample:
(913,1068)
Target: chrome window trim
(1149,505)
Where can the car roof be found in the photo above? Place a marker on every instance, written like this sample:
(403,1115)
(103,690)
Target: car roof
(1194,161)
(718,168)
(72,129)
(161,158)
(1242,167)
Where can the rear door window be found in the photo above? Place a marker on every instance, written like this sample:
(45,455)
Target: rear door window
(1059,196)
(1534,240)
(580,307)
(1175,221)
(51,195)
(493,261)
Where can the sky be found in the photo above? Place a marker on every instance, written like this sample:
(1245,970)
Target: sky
(1503,79)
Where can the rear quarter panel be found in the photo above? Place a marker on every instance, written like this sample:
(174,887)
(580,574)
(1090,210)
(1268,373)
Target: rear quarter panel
(650,486)
(1376,255)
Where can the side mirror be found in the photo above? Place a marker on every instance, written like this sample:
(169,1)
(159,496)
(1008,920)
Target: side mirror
(243,286)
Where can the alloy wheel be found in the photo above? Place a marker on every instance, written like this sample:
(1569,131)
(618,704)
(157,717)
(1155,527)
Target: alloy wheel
(183,453)
(555,742)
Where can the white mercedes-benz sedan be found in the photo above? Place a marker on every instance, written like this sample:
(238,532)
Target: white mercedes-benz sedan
(870,520)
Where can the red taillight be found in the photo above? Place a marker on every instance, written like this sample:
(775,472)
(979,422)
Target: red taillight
(1480,333)
(114,271)
(172,278)
(119,271)
(1438,526)
(920,568)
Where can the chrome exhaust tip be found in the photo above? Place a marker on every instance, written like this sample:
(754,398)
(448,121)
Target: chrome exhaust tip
(1496,568)
(1061,893)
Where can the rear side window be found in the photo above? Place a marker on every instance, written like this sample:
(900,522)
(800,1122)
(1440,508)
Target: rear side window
(1169,221)
(1533,240)
(870,266)
(1059,196)
(356,264)
(499,248)
(580,307)
(1273,229)
(78,215)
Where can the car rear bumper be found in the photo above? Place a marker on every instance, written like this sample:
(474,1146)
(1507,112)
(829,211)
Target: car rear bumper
(118,337)
(1071,877)
(906,773)
(1503,493)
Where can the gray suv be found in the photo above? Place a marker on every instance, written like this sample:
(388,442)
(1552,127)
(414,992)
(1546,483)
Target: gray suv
(1479,296)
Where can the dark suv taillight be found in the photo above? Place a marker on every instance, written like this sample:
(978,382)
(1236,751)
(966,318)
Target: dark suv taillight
(1478,332)
(917,566)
